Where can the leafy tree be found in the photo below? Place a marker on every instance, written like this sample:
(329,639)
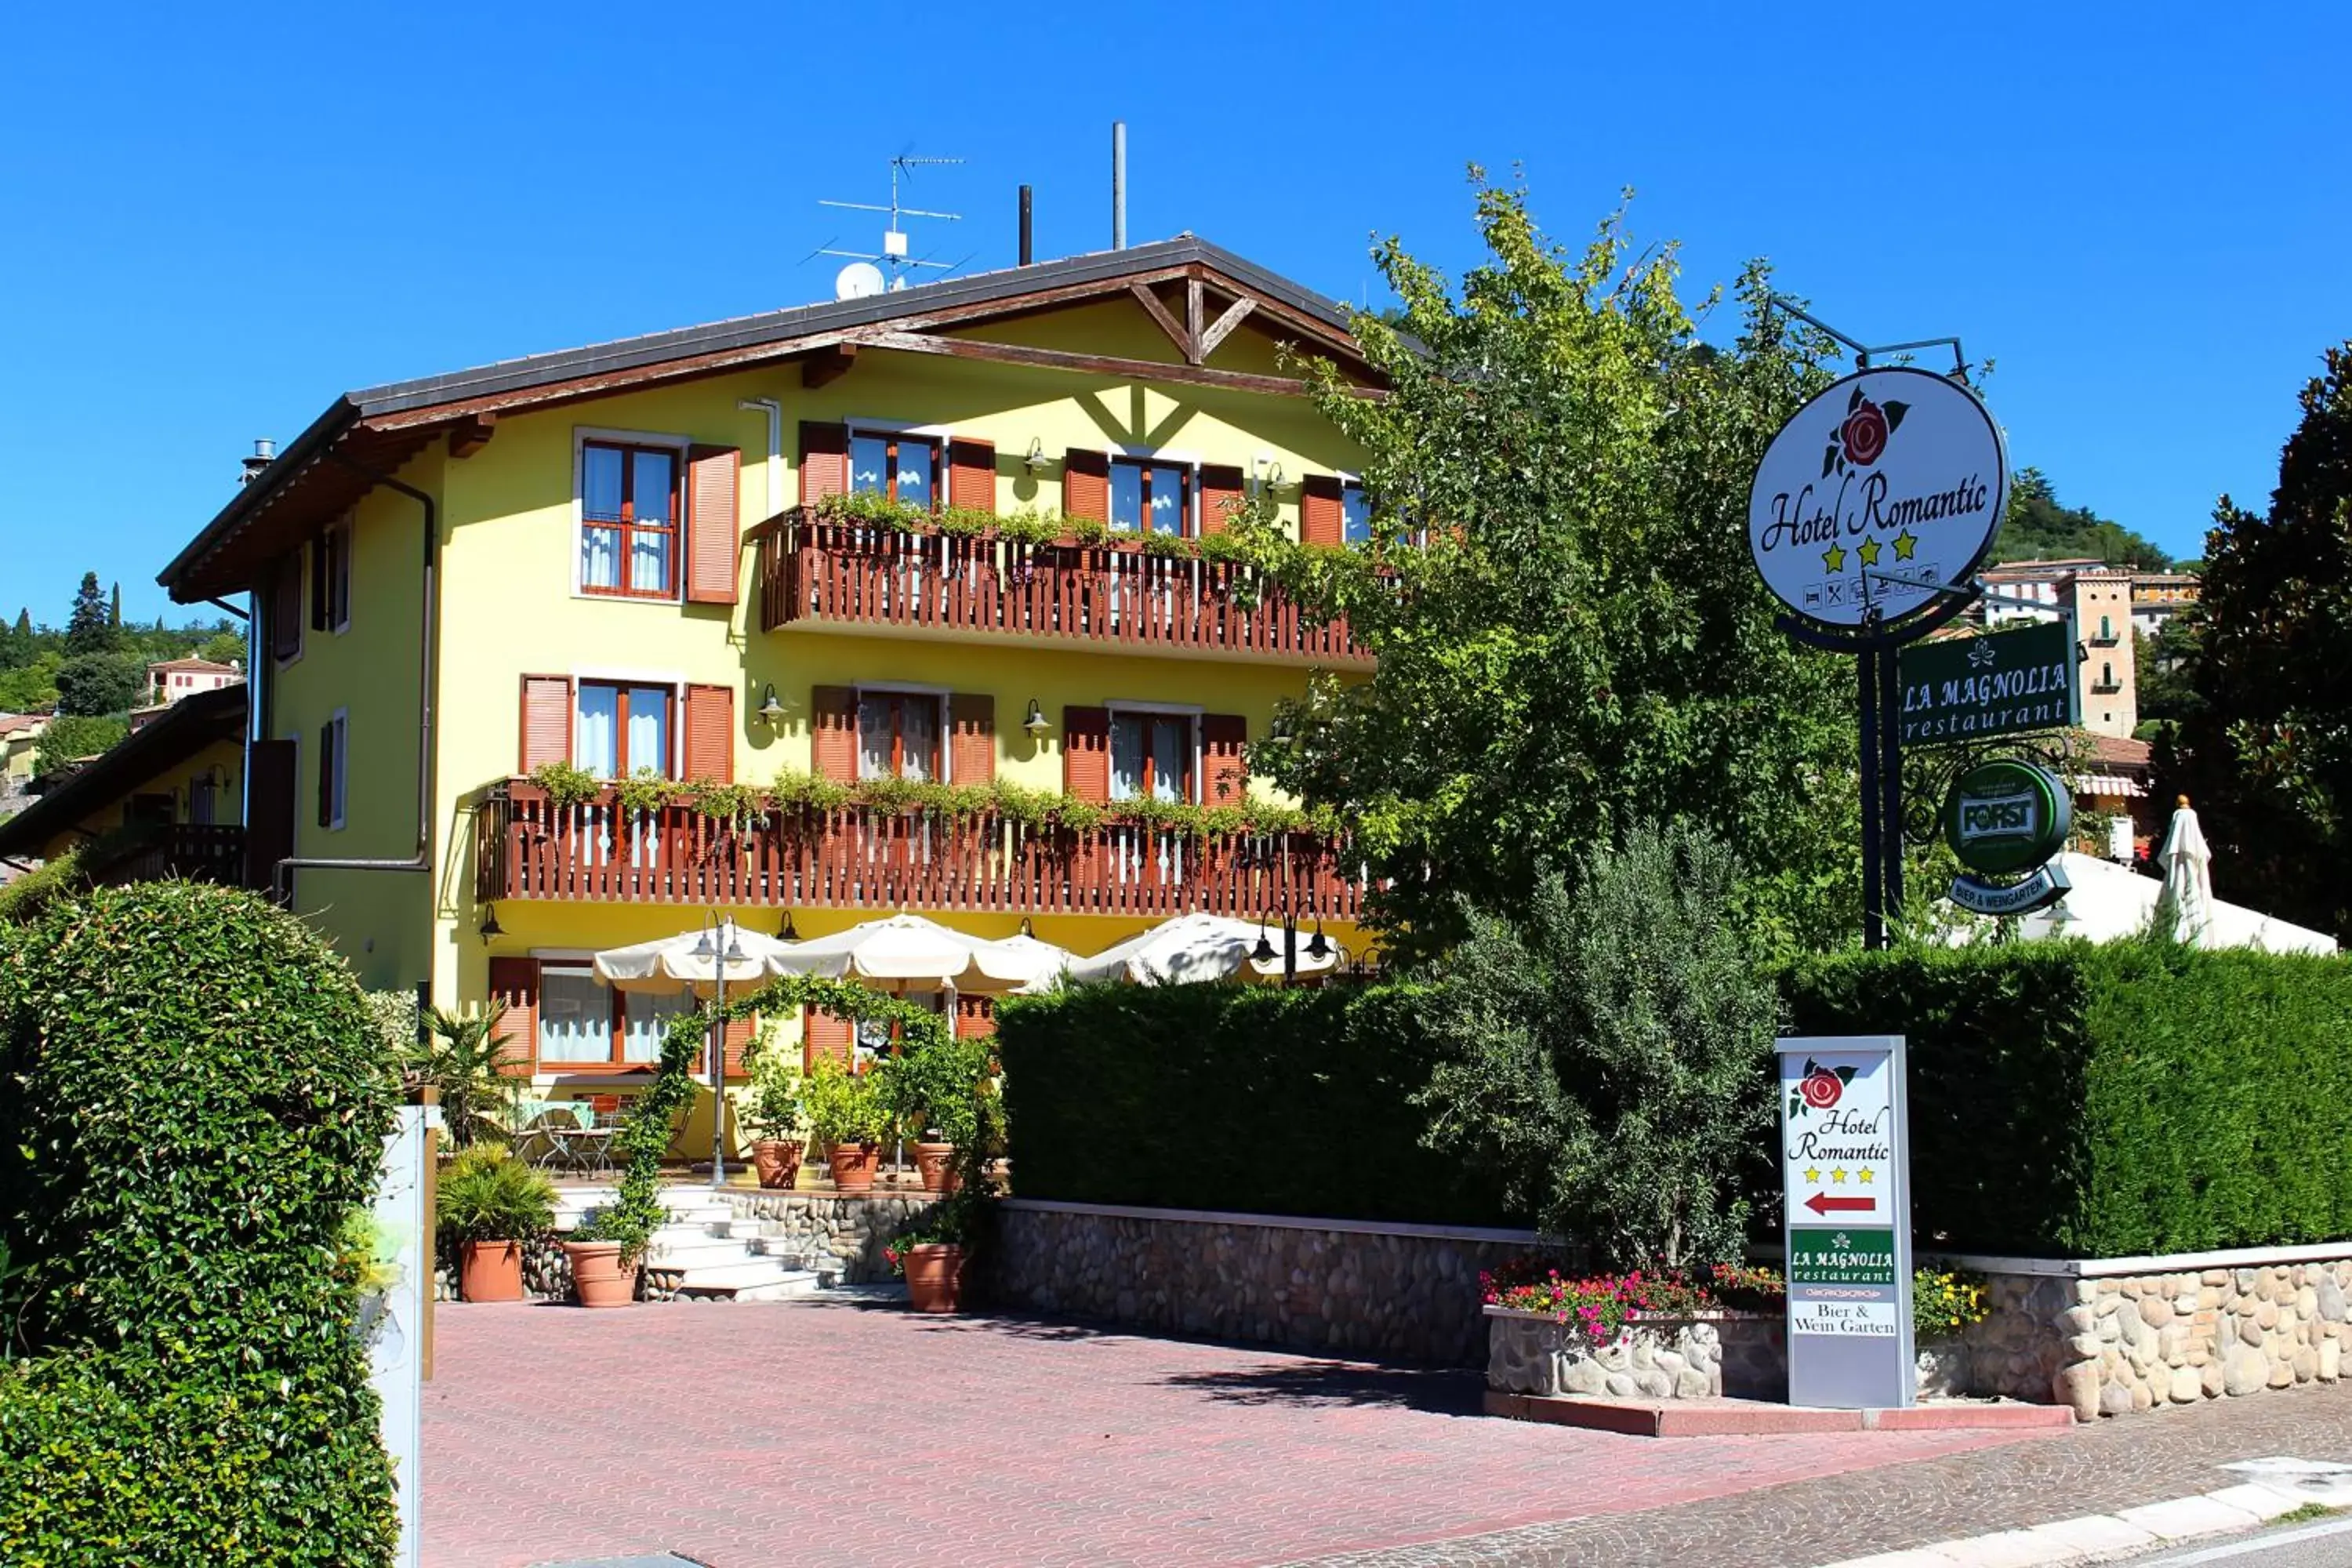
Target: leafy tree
(94,683)
(72,736)
(224,647)
(1606,1055)
(2162,666)
(465,1057)
(2268,757)
(91,627)
(2038,529)
(30,687)
(114,607)
(1581,640)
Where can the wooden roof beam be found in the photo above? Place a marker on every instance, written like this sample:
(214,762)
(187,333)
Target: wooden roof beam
(827,365)
(1096,364)
(1159,312)
(472,433)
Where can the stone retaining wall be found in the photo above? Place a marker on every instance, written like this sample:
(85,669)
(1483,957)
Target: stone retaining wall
(1743,1355)
(1340,1287)
(832,1234)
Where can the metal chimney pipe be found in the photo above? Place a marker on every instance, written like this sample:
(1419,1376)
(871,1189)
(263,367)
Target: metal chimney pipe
(1118,184)
(1027,254)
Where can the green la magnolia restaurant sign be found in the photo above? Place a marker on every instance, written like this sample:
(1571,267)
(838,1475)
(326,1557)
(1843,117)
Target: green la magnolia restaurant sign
(1959,690)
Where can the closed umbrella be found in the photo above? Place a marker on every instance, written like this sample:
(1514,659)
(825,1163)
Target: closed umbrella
(2186,902)
(1197,947)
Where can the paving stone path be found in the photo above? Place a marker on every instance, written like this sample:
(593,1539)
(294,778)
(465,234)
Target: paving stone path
(752,1434)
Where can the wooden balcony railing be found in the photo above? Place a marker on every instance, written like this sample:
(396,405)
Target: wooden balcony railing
(200,852)
(862,858)
(1112,594)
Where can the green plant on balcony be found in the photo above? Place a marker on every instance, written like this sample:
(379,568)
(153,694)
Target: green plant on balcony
(1164,545)
(1030,526)
(739,806)
(646,790)
(795,790)
(1089,529)
(567,784)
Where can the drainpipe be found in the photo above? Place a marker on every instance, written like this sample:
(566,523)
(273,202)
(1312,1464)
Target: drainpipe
(775,412)
(282,879)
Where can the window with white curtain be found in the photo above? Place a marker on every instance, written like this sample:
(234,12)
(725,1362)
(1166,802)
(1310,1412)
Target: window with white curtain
(899,735)
(1150,756)
(644,1021)
(575,1016)
(629,510)
(619,728)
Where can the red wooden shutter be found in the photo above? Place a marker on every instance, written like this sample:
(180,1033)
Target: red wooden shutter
(1322,519)
(824,1035)
(515,981)
(286,608)
(546,720)
(327,775)
(824,461)
(1085,485)
(269,810)
(1225,773)
(1085,753)
(1221,488)
(971,476)
(321,581)
(975,1016)
(971,738)
(710,734)
(738,1038)
(713,530)
(833,732)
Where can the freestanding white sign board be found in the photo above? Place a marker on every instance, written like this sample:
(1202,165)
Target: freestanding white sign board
(393,1318)
(1845,1181)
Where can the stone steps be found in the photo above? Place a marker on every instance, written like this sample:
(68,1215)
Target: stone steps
(715,1254)
(752,1279)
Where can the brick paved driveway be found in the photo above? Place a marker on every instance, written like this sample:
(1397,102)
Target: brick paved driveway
(749,1434)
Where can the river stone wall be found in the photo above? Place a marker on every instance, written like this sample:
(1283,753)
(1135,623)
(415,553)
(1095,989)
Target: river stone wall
(843,1236)
(1745,1356)
(1342,1287)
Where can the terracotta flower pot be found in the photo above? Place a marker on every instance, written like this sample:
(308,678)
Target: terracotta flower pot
(598,1278)
(853,1166)
(934,1276)
(490,1271)
(777,1161)
(937,1164)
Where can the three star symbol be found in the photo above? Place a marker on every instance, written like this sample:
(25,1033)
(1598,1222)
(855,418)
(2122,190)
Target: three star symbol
(1868,552)
(1811,1176)
(1905,543)
(1865,1175)
(1837,1178)
(1834,558)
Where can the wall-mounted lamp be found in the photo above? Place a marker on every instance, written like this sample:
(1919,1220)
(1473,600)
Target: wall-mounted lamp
(770,709)
(1034,458)
(1035,722)
(1266,473)
(1027,930)
(790,933)
(491,927)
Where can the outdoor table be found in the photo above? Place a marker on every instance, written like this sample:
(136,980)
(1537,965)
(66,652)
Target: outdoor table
(584,1150)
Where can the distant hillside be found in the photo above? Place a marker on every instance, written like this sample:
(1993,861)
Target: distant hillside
(2039,529)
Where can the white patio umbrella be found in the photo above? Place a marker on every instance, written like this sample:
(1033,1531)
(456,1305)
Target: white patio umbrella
(670,964)
(2188,898)
(2108,903)
(1196,947)
(908,952)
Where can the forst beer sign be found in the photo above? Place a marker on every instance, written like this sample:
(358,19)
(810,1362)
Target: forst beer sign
(1896,471)
(1845,1179)
(2005,818)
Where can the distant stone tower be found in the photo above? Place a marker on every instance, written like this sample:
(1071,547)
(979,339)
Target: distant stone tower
(2102,600)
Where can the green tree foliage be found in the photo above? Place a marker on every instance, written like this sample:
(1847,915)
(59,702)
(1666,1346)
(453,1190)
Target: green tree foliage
(2038,529)
(74,736)
(222,648)
(2268,756)
(473,1066)
(91,627)
(1606,1056)
(2163,667)
(95,683)
(1583,641)
(31,687)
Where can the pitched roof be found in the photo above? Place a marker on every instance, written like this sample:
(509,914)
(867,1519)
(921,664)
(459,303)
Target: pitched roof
(13,723)
(182,731)
(205,665)
(374,431)
(2118,752)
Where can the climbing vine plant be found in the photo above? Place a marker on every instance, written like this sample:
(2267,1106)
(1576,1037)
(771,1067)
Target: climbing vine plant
(644,1135)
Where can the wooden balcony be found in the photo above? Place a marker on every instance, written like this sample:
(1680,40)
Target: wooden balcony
(199,852)
(1114,597)
(862,858)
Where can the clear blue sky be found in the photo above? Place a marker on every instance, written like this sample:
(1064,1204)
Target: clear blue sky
(218,218)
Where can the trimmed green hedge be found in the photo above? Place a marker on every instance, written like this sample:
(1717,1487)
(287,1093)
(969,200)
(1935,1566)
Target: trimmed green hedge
(2077,1100)
(193,1097)
(1230,1098)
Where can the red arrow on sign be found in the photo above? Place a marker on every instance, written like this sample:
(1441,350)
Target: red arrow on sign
(1821,1203)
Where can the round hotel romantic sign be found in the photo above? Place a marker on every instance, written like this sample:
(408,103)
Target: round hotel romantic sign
(1896,471)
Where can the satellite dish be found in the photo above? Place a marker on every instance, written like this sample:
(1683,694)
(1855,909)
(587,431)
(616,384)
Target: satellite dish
(858,280)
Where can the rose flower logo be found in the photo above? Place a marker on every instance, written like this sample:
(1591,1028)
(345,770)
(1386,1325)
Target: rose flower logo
(1862,439)
(1819,1088)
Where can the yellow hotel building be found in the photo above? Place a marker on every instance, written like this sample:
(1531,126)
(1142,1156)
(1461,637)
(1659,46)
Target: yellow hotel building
(622,558)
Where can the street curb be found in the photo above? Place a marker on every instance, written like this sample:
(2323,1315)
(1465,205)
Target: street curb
(2096,1537)
(1760,1418)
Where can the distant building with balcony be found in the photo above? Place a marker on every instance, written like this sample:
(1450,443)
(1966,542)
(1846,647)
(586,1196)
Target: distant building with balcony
(2099,598)
(165,802)
(2158,596)
(961,534)
(171,679)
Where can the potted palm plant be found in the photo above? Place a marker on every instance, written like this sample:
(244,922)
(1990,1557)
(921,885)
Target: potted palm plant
(469,1063)
(850,1118)
(489,1205)
(773,1113)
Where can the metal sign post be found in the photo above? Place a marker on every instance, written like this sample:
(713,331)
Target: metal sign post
(1845,1181)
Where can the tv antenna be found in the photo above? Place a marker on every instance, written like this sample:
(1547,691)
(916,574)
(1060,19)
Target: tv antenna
(870,272)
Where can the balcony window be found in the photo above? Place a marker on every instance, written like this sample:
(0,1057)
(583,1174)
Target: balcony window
(901,467)
(1158,493)
(618,729)
(629,521)
(1355,514)
(899,735)
(1151,756)
(584,1024)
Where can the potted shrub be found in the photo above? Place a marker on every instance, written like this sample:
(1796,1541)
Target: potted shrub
(1944,1304)
(603,1254)
(934,1092)
(489,1205)
(933,1252)
(773,1113)
(848,1115)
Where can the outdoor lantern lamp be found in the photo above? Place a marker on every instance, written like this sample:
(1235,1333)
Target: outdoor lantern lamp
(1034,458)
(491,927)
(1036,723)
(771,710)
(1320,947)
(1264,951)
(728,952)
(790,933)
